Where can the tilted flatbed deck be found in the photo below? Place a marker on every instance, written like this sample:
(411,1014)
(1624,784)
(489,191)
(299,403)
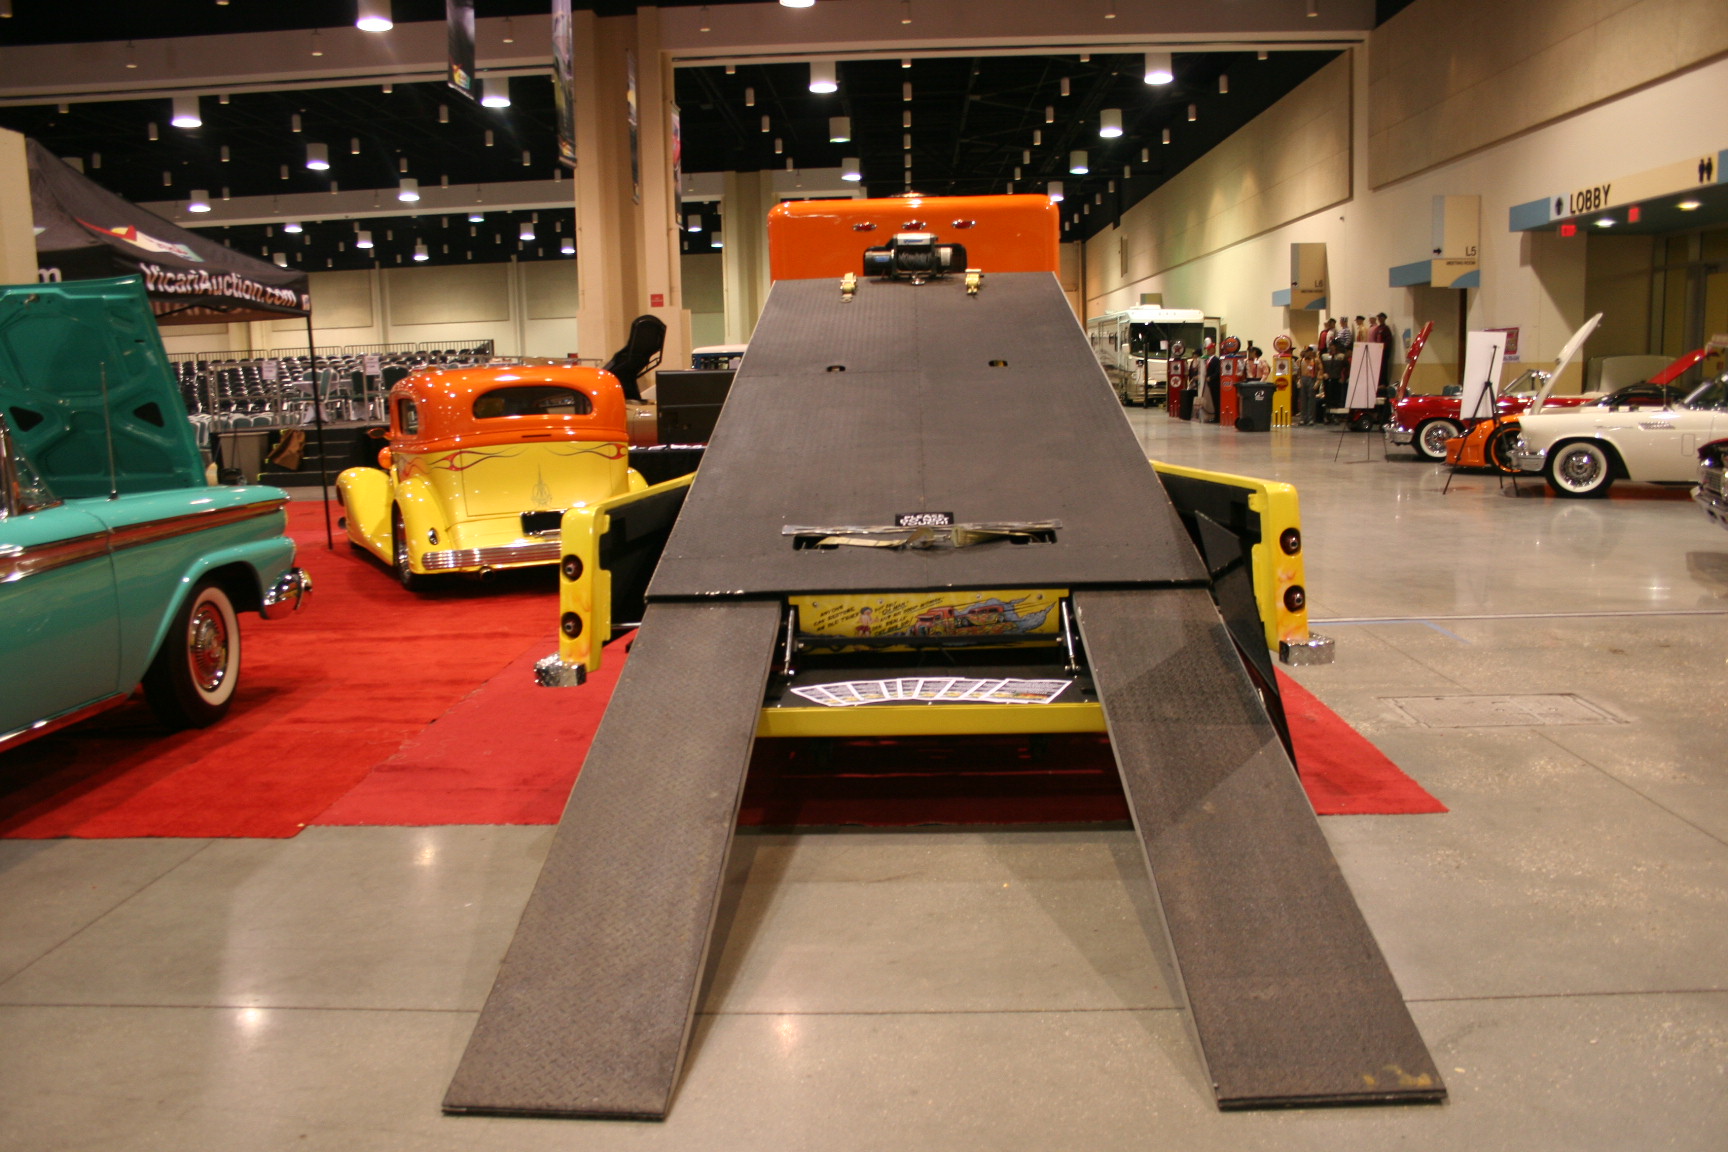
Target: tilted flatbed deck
(914,399)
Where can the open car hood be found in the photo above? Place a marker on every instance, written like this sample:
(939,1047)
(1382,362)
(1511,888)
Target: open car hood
(1568,352)
(82,364)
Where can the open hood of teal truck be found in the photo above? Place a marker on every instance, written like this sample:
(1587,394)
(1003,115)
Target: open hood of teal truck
(84,381)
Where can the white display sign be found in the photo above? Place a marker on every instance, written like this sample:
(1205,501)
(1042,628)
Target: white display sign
(1484,353)
(272,369)
(1365,358)
(372,366)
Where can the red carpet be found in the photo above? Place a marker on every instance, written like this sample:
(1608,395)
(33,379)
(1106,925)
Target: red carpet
(324,697)
(377,706)
(1343,773)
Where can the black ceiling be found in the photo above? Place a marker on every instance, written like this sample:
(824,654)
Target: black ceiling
(972,121)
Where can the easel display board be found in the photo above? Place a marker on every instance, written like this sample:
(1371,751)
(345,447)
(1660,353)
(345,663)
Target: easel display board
(1484,353)
(1365,359)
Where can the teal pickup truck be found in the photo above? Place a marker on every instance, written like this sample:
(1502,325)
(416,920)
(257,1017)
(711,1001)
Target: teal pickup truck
(119,564)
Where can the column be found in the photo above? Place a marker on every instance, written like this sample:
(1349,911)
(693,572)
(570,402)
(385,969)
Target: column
(744,204)
(626,214)
(17,221)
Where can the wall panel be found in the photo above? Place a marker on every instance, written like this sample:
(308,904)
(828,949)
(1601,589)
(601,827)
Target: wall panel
(551,288)
(339,300)
(1449,77)
(452,294)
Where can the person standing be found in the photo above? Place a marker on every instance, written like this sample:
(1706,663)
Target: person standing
(1307,377)
(1381,333)
(1338,367)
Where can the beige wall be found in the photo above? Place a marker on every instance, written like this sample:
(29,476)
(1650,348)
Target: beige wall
(1450,77)
(705,297)
(1535,281)
(1617,284)
(525,309)
(1291,161)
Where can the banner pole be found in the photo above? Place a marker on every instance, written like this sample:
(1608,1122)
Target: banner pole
(318,425)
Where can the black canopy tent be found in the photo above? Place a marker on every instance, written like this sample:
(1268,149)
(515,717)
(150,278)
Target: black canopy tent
(85,232)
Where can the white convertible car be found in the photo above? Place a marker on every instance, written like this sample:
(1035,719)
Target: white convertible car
(1582,451)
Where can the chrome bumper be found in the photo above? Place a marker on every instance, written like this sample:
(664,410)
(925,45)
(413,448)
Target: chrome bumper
(502,556)
(287,596)
(1317,649)
(1527,461)
(553,672)
(1712,494)
(1399,435)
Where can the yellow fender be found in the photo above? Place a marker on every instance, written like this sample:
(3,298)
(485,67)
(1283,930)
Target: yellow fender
(1280,584)
(584,587)
(365,497)
(421,513)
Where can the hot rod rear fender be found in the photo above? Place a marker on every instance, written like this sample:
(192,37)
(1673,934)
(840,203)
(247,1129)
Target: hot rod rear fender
(365,496)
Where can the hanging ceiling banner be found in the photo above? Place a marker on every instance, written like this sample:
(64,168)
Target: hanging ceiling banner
(564,82)
(459,27)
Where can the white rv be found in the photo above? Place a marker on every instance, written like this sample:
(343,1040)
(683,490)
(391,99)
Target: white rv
(1133,346)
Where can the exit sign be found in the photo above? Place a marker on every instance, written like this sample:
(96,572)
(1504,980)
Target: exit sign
(656,300)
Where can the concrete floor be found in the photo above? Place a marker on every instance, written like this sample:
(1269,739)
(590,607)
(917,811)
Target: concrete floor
(1561,934)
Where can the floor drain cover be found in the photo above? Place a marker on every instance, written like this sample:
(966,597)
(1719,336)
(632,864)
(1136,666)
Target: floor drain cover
(1501,711)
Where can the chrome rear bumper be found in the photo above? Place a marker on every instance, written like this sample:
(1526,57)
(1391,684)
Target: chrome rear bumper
(1712,493)
(501,556)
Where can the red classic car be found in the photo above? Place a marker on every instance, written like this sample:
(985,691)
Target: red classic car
(1425,423)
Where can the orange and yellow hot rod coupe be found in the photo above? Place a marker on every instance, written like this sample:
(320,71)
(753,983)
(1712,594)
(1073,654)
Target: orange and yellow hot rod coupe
(481,464)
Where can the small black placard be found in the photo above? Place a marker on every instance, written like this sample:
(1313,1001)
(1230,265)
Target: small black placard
(924,520)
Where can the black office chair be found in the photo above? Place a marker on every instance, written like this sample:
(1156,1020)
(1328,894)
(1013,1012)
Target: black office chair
(640,353)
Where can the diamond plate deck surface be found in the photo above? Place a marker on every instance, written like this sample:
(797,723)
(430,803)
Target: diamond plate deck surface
(591,1009)
(1290,997)
(920,421)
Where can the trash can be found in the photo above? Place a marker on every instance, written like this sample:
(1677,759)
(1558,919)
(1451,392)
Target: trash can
(1254,404)
(1187,409)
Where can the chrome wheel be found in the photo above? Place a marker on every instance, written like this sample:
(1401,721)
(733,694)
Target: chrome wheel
(1430,439)
(191,680)
(207,647)
(1581,468)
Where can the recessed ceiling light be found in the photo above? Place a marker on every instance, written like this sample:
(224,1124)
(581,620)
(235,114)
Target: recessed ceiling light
(373,16)
(1605,222)
(1689,205)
